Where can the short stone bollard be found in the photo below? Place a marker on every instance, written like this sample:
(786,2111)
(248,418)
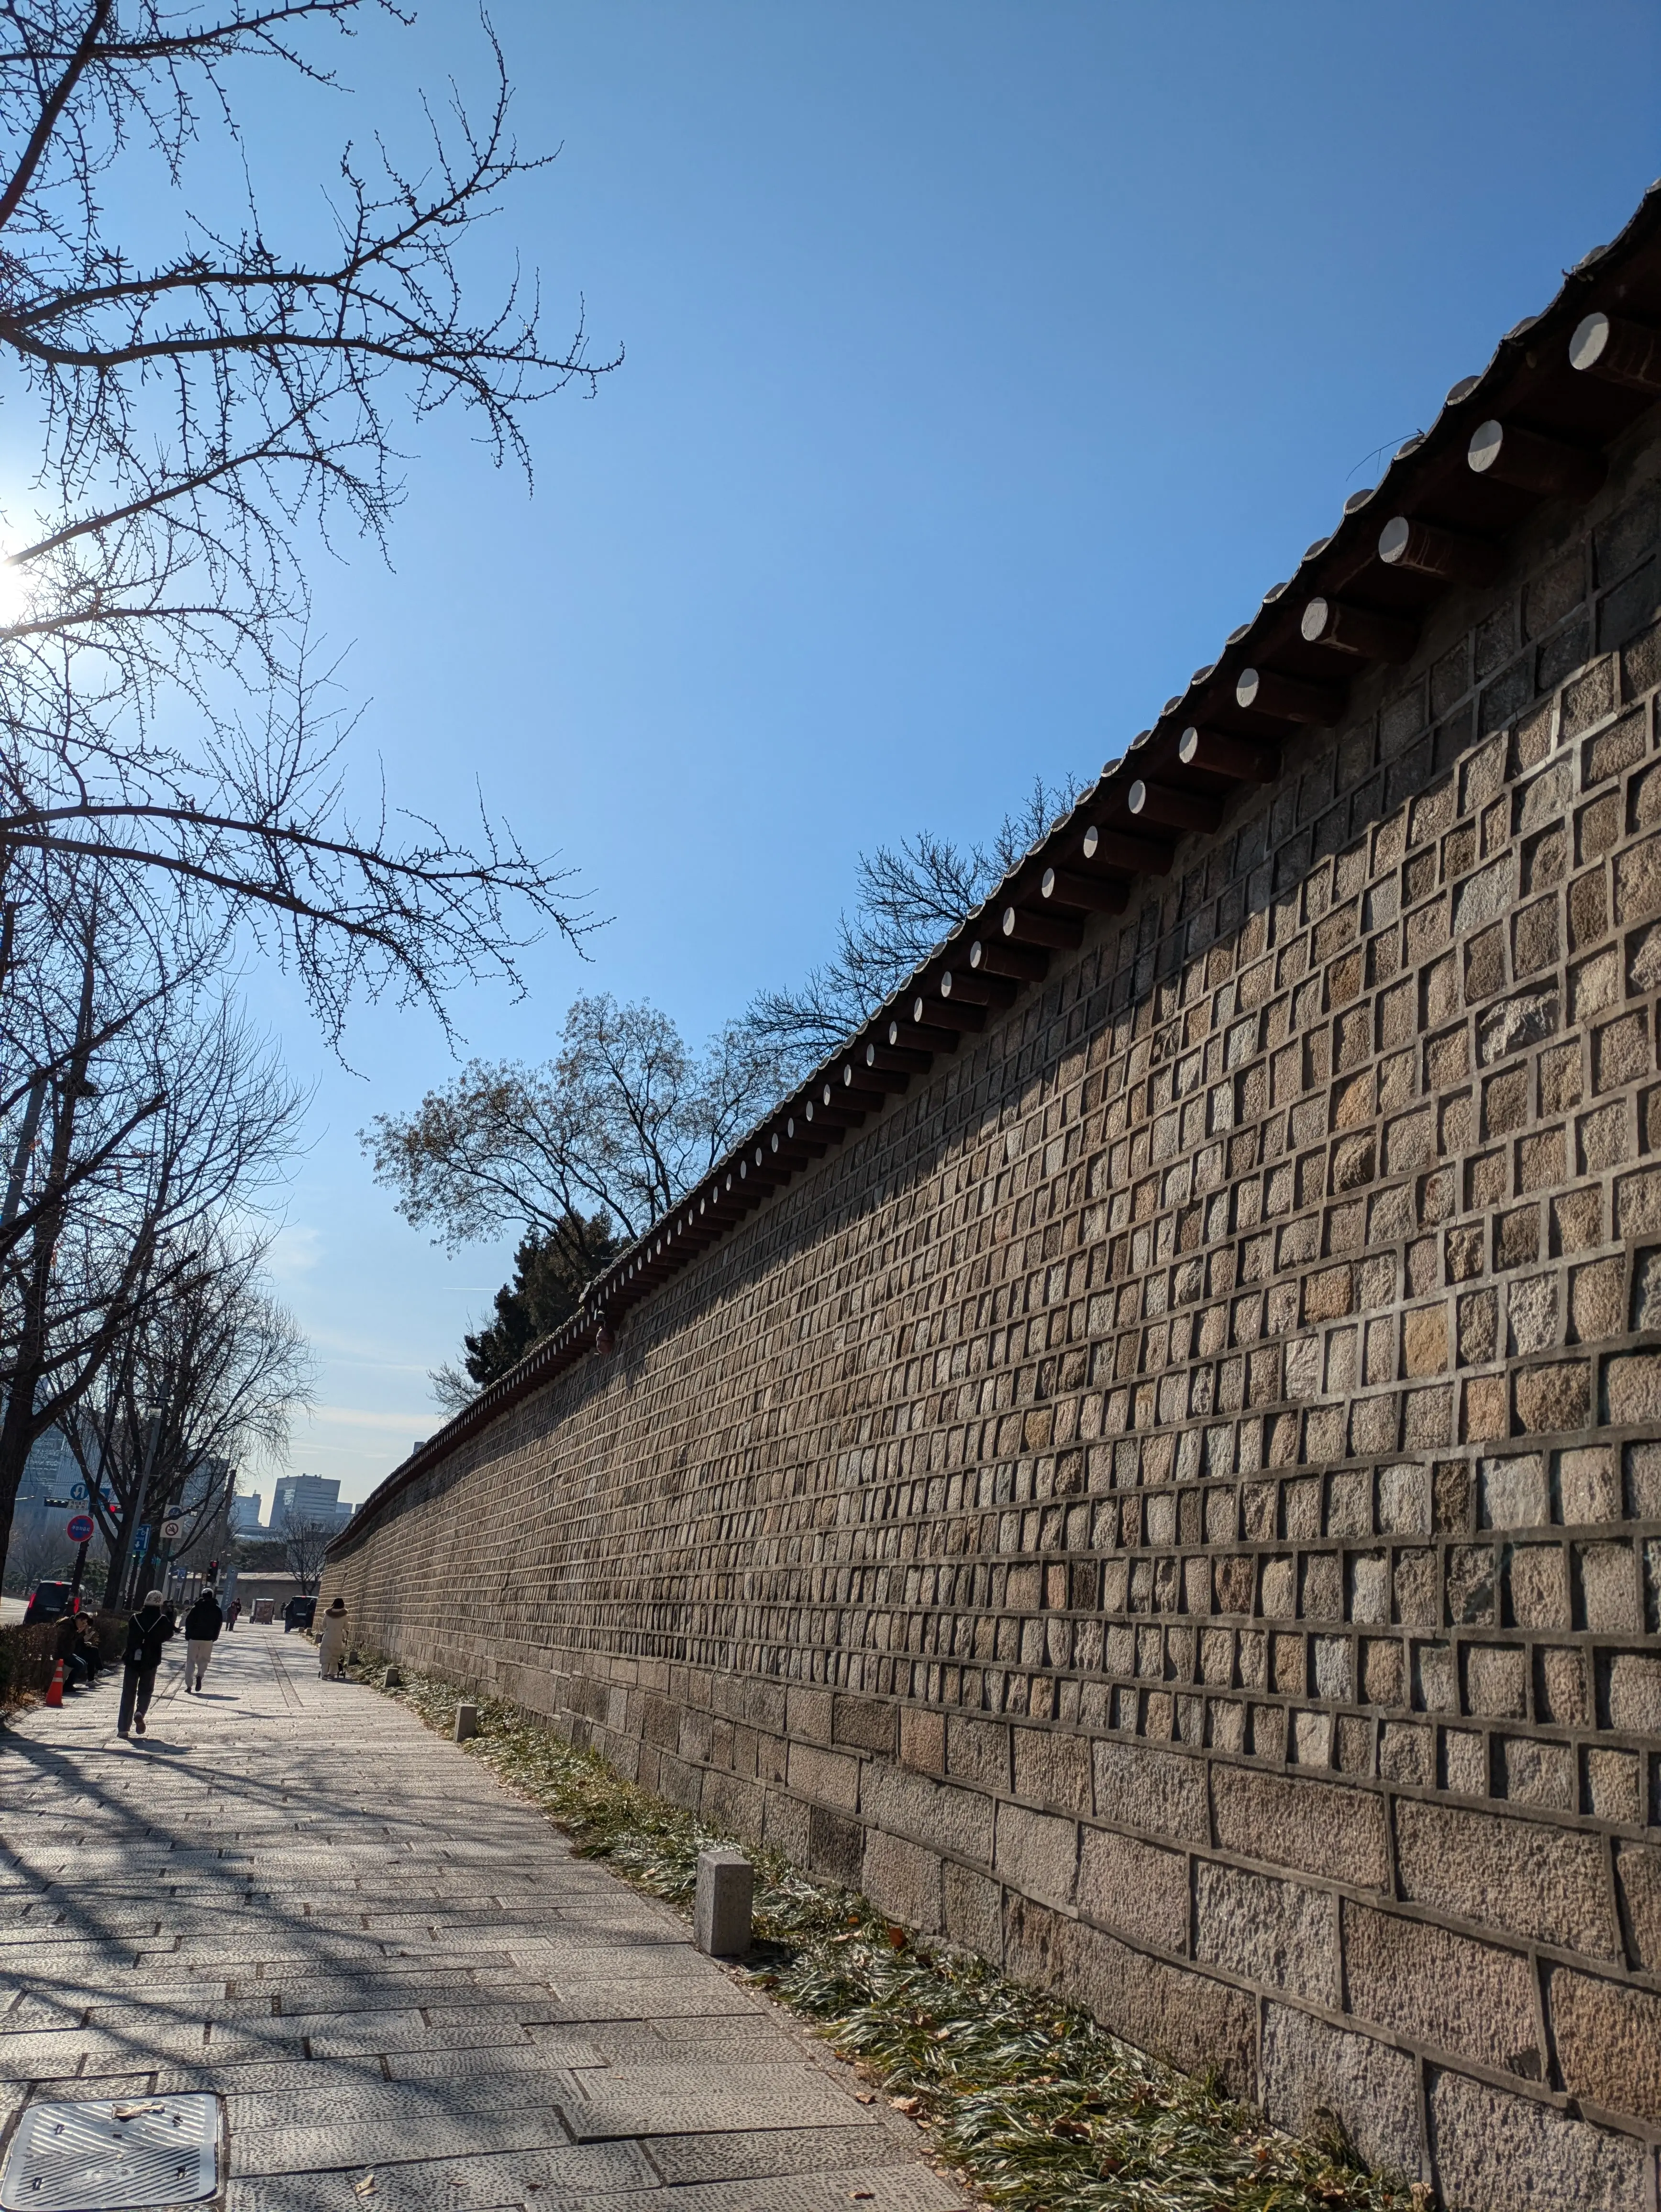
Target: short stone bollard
(722,1904)
(466,1722)
(392,1679)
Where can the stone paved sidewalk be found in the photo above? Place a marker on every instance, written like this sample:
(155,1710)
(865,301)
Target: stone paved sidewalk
(290,1894)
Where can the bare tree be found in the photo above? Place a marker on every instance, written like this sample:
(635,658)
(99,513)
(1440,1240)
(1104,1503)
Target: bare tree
(304,1544)
(165,1112)
(208,1375)
(613,1131)
(40,1552)
(203,417)
(909,896)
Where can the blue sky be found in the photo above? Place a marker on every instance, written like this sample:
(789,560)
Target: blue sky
(985,364)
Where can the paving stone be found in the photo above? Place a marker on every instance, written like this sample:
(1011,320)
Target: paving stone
(575,2178)
(411,2134)
(745,2154)
(687,2098)
(363,2097)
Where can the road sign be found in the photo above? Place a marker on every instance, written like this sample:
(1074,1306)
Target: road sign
(80,1528)
(171,1530)
(79,1491)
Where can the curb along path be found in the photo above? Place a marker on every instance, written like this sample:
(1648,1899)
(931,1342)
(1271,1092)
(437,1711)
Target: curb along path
(407,1991)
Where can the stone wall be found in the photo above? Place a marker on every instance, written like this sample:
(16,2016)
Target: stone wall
(1175,1502)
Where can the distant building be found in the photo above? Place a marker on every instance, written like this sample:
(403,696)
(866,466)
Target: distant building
(47,1498)
(308,1498)
(244,1515)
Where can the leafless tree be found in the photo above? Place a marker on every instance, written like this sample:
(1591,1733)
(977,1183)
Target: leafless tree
(203,417)
(207,1376)
(163,1113)
(909,896)
(40,1552)
(304,1544)
(613,1131)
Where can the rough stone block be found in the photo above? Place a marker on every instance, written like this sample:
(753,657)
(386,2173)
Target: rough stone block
(1496,1681)
(923,1739)
(835,1846)
(1637,1877)
(1314,2074)
(1134,1887)
(1638,883)
(1632,1387)
(1170,2011)
(730,1802)
(1468,1999)
(1163,1793)
(977,1750)
(1543,1884)
(1609,2043)
(865,1724)
(973,1910)
(1316,1827)
(466,1722)
(807,1713)
(904,1880)
(828,1776)
(1629,1691)
(1038,1854)
(1556,1397)
(946,1818)
(1053,1769)
(1495,2152)
(1268,1931)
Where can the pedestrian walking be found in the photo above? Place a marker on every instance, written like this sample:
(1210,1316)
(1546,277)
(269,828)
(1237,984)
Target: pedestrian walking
(202,1625)
(147,1631)
(331,1646)
(232,1611)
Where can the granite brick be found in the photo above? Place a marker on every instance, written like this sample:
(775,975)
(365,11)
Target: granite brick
(1494,2151)
(1467,1999)
(1541,1883)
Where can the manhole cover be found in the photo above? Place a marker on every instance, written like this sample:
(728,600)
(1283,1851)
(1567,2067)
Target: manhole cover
(108,2151)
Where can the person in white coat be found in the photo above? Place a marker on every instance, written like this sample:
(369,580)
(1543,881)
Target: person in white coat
(331,1646)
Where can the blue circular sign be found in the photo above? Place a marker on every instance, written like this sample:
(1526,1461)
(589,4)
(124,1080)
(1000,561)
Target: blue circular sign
(80,1528)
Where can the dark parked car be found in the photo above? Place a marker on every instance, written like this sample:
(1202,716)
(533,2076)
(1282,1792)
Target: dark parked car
(297,1613)
(51,1602)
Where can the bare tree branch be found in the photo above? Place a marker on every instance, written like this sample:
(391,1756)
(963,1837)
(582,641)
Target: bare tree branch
(908,898)
(203,420)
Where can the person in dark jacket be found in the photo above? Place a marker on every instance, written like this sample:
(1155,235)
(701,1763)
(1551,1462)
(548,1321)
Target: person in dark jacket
(66,1646)
(202,1625)
(147,1631)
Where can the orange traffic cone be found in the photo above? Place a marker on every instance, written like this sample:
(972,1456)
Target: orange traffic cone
(55,1695)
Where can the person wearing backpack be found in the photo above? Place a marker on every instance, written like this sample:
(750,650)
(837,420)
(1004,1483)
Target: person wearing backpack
(202,1625)
(147,1631)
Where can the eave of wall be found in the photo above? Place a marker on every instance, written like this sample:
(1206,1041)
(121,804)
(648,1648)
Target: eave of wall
(1131,821)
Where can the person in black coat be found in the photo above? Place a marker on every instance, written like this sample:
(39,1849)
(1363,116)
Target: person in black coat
(147,1631)
(202,1625)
